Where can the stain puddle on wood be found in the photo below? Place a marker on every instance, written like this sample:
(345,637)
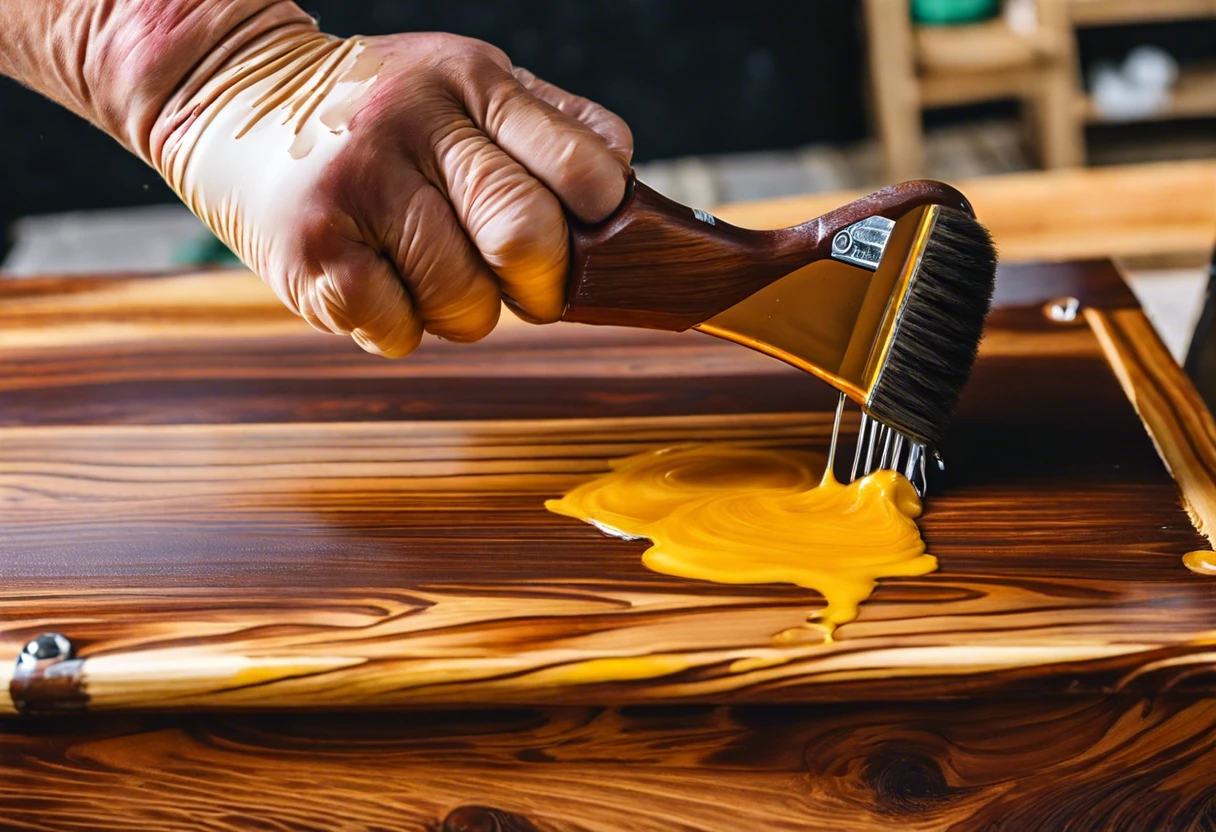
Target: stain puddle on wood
(736,514)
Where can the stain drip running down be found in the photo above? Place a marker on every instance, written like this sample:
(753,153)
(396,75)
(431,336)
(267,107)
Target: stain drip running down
(746,515)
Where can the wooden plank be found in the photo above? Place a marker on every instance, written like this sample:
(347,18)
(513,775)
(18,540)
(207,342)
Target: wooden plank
(894,92)
(232,518)
(953,89)
(1181,427)
(986,46)
(1079,763)
(163,351)
(1134,210)
(1114,12)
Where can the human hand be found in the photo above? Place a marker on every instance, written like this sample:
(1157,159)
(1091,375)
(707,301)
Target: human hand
(386,186)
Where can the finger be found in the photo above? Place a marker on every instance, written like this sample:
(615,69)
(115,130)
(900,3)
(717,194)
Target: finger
(515,222)
(570,158)
(600,119)
(454,290)
(360,294)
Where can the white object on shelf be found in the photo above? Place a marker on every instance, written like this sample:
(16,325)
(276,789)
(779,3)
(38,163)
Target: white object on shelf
(1139,87)
(1022,16)
(1151,66)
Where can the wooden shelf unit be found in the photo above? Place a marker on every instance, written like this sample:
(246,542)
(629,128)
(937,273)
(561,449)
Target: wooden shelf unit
(1194,96)
(913,68)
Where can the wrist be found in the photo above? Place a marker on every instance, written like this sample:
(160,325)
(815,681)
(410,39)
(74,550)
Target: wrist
(253,94)
(147,54)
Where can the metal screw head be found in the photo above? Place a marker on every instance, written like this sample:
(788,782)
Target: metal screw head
(842,242)
(46,647)
(1063,310)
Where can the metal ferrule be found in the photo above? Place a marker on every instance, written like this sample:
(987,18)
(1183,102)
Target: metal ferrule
(863,243)
(837,318)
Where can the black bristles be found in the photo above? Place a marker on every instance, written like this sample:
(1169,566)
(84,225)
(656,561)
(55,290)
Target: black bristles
(938,332)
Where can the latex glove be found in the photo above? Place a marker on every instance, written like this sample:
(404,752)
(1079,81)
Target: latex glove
(384,186)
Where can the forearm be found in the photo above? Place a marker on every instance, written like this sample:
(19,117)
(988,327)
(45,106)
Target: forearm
(117,62)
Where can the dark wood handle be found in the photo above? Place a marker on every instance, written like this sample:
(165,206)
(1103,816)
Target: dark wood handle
(661,265)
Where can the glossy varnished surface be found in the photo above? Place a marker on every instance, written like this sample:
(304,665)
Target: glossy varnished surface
(225,509)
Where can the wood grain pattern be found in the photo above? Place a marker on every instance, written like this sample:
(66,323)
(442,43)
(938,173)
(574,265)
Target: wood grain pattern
(1171,408)
(225,519)
(1075,763)
(218,347)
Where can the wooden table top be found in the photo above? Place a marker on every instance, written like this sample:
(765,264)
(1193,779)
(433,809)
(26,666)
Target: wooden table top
(223,509)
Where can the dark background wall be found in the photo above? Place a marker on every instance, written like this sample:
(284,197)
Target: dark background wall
(690,76)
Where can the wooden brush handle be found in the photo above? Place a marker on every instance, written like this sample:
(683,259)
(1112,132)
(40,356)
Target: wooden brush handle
(661,265)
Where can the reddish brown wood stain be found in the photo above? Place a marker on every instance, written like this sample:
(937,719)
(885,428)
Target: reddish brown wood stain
(1075,762)
(1058,529)
(296,500)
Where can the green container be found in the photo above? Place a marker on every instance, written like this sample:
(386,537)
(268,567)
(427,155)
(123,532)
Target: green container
(205,251)
(952,12)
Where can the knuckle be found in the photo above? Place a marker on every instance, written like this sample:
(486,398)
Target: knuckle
(489,52)
(519,224)
(462,53)
(503,98)
(500,57)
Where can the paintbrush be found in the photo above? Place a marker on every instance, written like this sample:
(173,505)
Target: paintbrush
(884,298)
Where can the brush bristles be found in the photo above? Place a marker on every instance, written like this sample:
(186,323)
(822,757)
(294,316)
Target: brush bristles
(938,332)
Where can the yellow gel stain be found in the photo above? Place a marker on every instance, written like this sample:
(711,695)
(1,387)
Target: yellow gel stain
(742,515)
(1202,563)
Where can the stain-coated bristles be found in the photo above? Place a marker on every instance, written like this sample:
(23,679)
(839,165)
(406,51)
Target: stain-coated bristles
(938,331)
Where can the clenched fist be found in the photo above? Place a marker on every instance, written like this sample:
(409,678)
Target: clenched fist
(389,185)
(382,186)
